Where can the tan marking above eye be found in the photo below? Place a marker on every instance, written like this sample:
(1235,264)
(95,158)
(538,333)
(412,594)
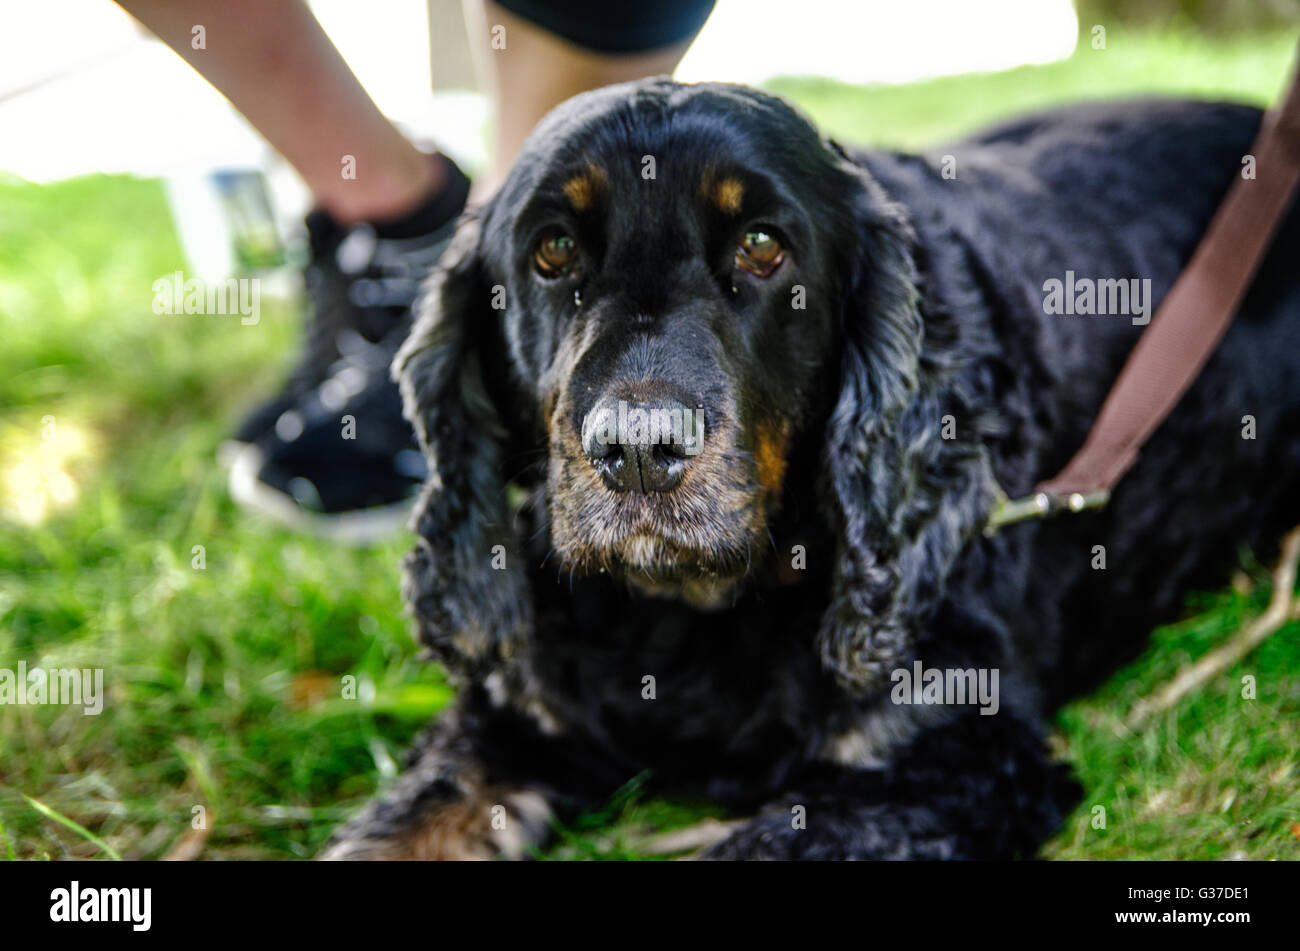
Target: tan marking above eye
(584,189)
(759,252)
(728,194)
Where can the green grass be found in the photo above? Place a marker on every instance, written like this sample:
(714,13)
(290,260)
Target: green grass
(224,684)
(1247,69)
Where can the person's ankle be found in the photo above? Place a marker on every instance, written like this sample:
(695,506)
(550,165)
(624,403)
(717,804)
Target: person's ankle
(390,197)
(438,207)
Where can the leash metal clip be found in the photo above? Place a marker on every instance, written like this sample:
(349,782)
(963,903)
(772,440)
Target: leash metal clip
(1040,505)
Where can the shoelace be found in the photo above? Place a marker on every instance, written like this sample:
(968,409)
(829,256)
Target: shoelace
(394,270)
(357,287)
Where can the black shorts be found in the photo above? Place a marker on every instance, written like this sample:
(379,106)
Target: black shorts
(608,26)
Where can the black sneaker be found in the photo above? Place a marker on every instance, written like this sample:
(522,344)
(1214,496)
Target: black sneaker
(360,282)
(332,454)
(342,463)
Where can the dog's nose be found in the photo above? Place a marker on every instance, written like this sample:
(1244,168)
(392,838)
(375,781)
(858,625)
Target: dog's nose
(642,446)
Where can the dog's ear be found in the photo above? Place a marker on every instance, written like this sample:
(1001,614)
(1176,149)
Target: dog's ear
(464,578)
(896,487)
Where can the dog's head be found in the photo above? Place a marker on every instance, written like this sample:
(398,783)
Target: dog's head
(640,323)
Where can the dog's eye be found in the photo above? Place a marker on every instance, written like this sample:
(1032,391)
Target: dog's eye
(556,252)
(759,253)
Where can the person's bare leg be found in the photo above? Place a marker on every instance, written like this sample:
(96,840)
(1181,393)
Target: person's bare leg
(275,64)
(537,71)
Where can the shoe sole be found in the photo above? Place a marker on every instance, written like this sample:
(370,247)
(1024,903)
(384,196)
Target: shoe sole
(357,528)
(228,451)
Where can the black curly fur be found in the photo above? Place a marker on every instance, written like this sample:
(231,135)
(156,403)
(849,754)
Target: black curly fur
(925,301)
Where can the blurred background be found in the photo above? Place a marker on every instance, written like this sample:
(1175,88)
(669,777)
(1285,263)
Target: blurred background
(223,679)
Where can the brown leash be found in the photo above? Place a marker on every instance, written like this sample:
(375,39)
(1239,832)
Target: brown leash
(1186,327)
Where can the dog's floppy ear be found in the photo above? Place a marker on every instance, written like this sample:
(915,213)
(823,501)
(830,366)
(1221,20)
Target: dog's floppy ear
(464,578)
(895,485)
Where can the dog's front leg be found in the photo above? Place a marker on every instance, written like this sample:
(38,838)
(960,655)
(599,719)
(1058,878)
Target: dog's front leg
(446,806)
(972,789)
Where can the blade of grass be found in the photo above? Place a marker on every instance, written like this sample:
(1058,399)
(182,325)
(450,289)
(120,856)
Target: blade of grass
(76,827)
(9,846)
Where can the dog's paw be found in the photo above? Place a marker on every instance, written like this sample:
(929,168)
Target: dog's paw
(759,840)
(839,832)
(488,824)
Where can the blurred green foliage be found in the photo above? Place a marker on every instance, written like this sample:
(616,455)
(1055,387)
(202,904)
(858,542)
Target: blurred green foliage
(1210,16)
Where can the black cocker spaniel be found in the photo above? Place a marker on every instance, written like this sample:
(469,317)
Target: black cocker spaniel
(716,412)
